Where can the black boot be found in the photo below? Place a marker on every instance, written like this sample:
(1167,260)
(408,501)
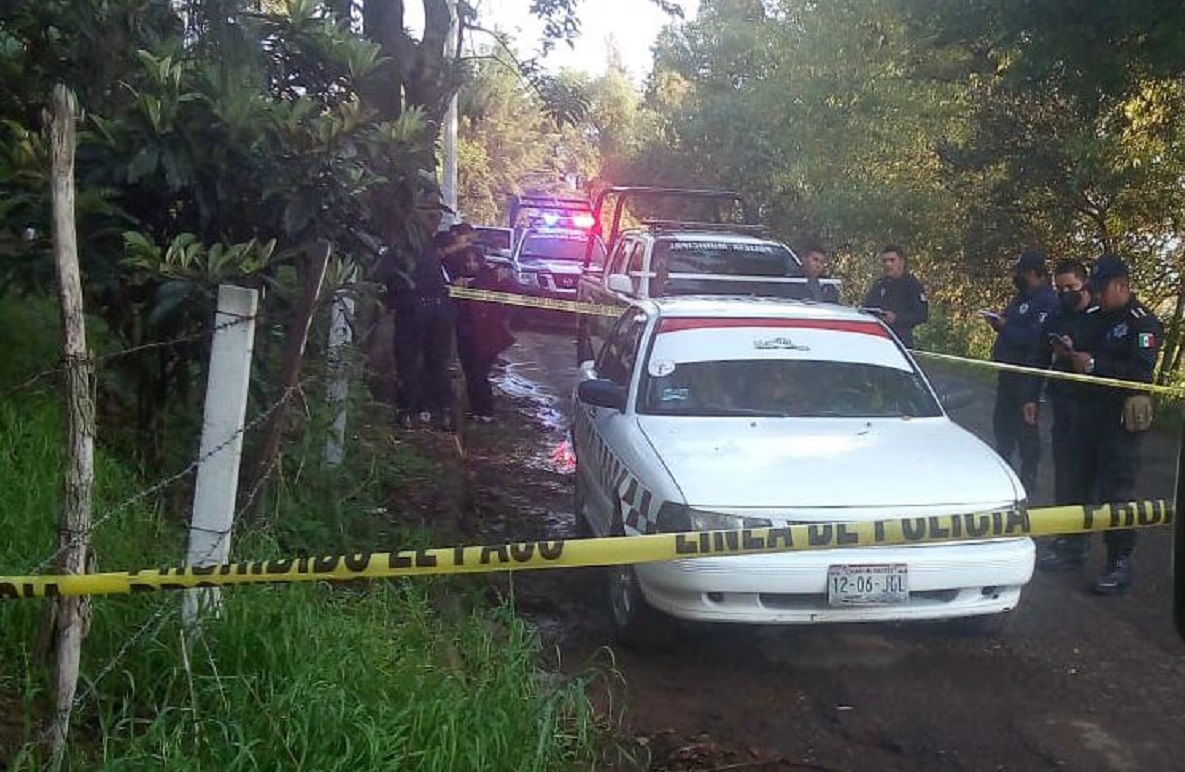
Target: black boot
(1118,578)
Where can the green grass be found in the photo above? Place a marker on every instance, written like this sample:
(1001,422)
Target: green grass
(409,675)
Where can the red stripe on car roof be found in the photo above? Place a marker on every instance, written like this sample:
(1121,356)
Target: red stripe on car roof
(678,324)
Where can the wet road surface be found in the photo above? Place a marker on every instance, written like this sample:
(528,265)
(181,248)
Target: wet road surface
(1076,682)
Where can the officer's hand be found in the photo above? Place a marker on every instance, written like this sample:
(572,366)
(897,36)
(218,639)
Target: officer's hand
(1030,413)
(1078,360)
(889,317)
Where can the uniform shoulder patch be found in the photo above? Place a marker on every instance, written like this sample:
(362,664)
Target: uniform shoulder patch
(1146,340)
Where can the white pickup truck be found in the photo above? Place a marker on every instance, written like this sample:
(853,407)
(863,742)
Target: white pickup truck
(667,259)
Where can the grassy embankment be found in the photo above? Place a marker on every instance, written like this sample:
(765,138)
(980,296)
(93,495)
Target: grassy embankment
(416,675)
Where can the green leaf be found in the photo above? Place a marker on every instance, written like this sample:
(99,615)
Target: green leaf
(142,164)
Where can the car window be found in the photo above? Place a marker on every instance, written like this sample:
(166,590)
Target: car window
(568,247)
(619,355)
(621,256)
(494,239)
(635,266)
(803,388)
(689,260)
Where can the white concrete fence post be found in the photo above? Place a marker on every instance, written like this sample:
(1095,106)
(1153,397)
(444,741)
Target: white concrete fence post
(341,335)
(222,440)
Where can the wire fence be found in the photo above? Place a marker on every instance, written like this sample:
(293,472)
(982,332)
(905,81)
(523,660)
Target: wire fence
(164,483)
(97,361)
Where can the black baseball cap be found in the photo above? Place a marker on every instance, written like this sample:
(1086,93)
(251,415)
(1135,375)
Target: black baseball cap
(1107,268)
(1031,260)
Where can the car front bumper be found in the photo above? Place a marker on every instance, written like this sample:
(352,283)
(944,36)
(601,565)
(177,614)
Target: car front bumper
(945,581)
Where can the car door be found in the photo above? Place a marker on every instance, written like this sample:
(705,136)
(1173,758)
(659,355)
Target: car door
(601,434)
(617,264)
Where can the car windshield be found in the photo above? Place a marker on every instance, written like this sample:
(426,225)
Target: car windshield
(801,388)
(494,239)
(554,247)
(679,265)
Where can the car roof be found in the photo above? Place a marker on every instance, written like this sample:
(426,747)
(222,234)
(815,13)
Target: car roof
(735,306)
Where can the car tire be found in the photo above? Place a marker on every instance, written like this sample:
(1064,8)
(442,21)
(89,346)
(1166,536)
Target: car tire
(636,624)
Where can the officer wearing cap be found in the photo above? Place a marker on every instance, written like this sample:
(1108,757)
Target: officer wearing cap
(1018,342)
(1122,341)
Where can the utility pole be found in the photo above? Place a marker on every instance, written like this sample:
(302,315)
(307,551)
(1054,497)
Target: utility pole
(449,141)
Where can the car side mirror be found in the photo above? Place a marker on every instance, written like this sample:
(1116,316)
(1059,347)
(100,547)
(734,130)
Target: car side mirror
(601,392)
(619,282)
(956,399)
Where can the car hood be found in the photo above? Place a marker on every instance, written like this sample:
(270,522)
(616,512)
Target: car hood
(799,463)
(551,266)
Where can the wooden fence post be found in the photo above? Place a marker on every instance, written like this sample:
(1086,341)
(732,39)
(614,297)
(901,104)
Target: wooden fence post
(71,614)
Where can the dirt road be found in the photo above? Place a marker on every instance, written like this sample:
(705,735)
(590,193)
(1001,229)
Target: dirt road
(1077,682)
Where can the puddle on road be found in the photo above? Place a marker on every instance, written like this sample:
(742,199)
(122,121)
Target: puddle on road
(516,382)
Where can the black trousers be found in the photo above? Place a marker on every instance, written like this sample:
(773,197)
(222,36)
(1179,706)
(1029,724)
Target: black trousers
(1110,459)
(476,366)
(423,348)
(1071,485)
(1012,432)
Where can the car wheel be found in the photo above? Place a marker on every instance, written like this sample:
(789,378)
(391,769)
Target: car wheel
(636,624)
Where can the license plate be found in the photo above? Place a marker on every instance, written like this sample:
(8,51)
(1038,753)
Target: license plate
(867,585)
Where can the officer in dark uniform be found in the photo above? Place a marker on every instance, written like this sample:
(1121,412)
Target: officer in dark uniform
(898,297)
(424,318)
(1122,341)
(1018,342)
(1065,326)
(814,268)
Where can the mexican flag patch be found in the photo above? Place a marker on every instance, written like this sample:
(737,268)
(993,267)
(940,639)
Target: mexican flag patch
(1146,340)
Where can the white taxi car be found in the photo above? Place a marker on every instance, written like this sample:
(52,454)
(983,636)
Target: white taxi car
(725,412)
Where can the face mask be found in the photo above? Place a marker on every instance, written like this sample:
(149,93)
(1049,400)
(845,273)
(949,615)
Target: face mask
(1020,283)
(1069,299)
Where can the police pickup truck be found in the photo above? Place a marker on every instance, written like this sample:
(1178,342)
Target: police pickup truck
(669,258)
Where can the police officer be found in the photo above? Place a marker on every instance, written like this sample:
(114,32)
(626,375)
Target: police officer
(898,297)
(1018,342)
(1065,326)
(1122,340)
(814,268)
(424,327)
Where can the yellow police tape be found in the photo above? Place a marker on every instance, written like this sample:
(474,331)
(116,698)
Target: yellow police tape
(531,301)
(573,553)
(1060,375)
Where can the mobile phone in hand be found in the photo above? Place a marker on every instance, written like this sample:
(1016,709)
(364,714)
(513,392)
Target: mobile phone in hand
(1061,341)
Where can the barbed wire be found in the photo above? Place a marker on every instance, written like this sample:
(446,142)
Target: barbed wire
(162,484)
(105,358)
(159,617)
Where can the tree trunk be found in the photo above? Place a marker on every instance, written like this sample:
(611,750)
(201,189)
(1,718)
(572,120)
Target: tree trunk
(71,614)
(297,341)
